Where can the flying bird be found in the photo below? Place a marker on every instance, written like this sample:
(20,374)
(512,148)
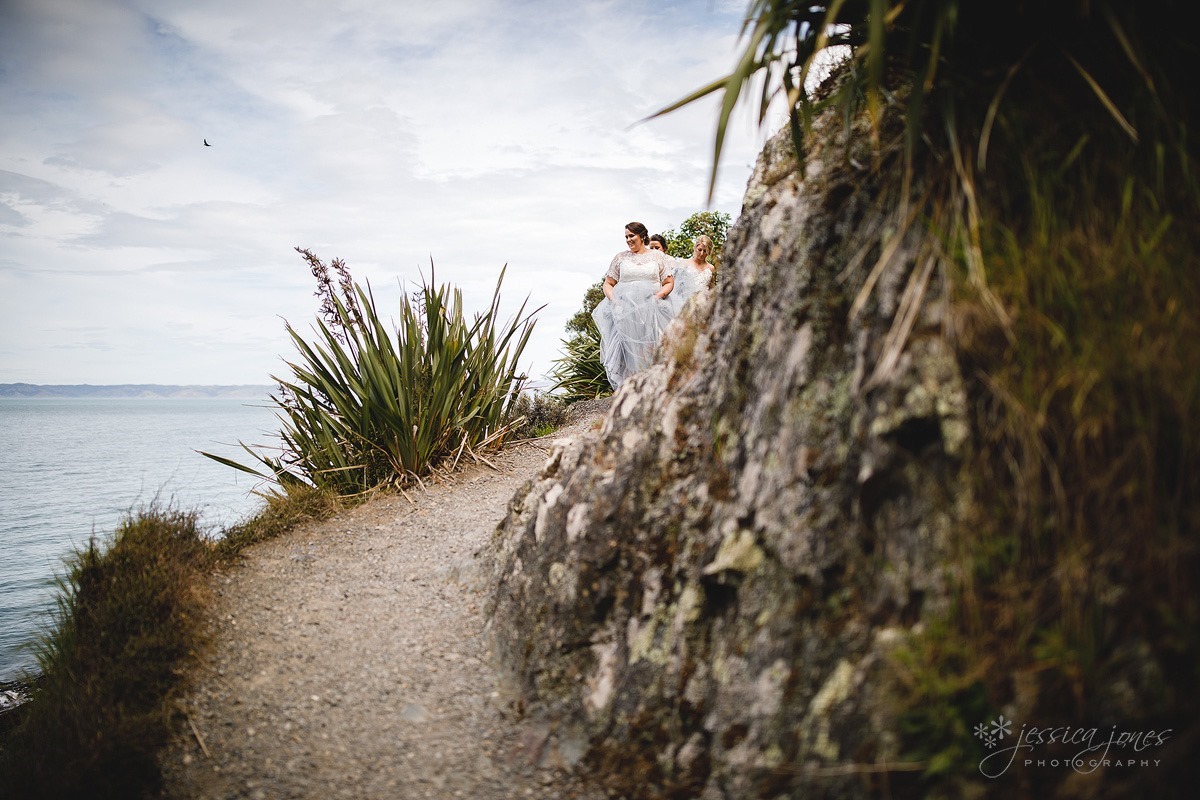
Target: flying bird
(206,144)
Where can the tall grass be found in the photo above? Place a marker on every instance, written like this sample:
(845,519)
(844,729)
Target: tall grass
(1089,417)
(1076,579)
(112,662)
(369,405)
(282,512)
(129,618)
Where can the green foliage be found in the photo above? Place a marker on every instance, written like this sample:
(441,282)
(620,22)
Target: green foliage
(713,224)
(128,619)
(578,373)
(943,697)
(582,322)
(1088,419)
(368,406)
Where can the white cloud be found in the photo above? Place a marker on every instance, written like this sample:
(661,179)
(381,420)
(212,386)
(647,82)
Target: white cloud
(476,134)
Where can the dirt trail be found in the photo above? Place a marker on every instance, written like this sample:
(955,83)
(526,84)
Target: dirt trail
(350,661)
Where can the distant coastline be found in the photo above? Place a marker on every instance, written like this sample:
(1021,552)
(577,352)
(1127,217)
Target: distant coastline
(135,390)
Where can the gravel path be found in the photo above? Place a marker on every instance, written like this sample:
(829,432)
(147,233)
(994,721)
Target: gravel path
(350,661)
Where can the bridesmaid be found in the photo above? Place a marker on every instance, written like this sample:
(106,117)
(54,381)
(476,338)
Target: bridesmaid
(693,275)
(635,309)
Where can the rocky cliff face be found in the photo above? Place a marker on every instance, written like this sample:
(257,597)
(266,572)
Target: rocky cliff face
(700,596)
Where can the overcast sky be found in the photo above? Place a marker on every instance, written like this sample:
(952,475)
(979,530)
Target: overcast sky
(387,133)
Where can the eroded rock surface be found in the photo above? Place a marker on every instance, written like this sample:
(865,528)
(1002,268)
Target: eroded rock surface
(703,592)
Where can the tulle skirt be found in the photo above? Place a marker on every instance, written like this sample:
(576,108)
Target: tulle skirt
(631,327)
(688,282)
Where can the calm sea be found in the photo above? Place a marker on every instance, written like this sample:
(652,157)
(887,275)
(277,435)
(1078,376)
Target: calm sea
(71,468)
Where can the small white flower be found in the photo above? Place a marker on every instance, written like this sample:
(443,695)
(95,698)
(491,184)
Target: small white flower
(1002,727)
(981,730)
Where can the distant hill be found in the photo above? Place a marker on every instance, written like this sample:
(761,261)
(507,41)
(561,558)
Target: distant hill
(150,390)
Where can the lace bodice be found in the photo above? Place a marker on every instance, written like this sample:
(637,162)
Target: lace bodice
(648,265)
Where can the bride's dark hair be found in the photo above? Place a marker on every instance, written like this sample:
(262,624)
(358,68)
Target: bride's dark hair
(639,229)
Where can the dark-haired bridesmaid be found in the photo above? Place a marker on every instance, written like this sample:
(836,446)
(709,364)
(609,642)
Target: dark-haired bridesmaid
(635,311)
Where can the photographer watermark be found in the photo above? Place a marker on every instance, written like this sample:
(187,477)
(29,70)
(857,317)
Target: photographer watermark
(1084,750)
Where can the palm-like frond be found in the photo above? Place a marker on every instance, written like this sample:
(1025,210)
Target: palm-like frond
(578,373)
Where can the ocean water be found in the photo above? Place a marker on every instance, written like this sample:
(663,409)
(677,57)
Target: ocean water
(73,468)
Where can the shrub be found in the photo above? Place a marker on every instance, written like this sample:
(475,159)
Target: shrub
(578,373)
(368,406)
(538,414)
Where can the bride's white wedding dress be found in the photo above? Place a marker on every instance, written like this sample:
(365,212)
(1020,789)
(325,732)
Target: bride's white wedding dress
(632,324)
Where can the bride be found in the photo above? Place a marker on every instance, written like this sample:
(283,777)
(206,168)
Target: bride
(635,309)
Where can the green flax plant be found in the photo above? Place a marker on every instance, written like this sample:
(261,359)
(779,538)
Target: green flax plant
(369,405)
(578,373)
(1037,163)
